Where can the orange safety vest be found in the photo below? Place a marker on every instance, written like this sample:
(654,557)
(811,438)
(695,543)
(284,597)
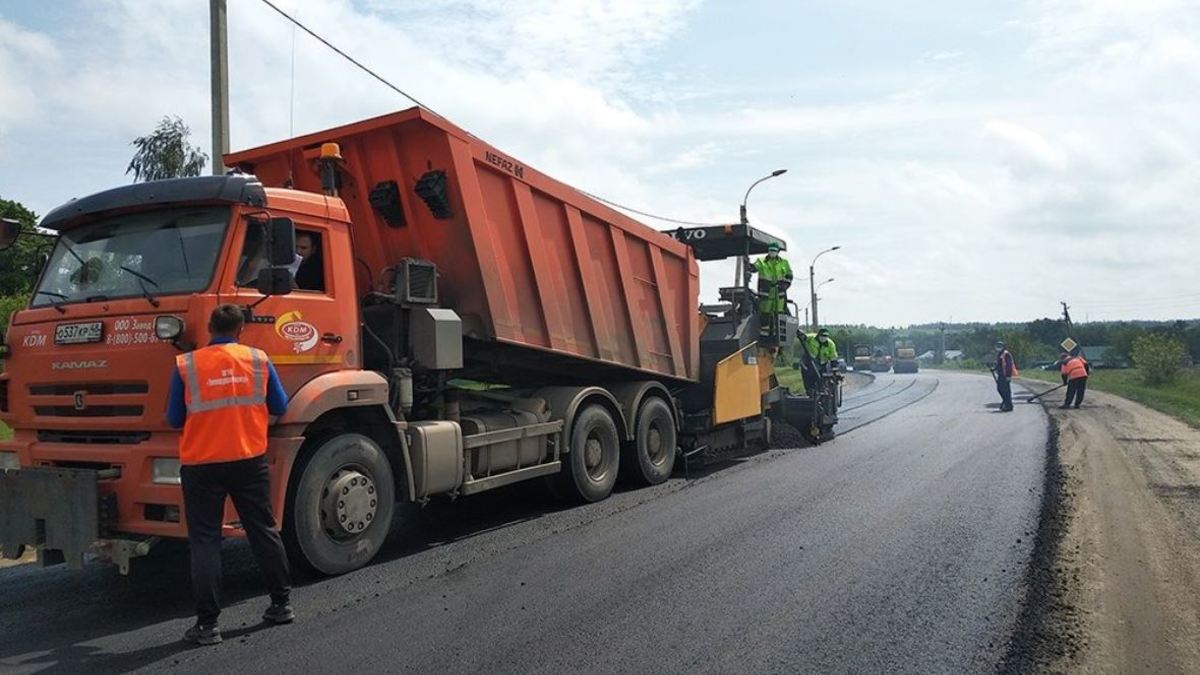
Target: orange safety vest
(225,389)
(1075,368)
(1015,371)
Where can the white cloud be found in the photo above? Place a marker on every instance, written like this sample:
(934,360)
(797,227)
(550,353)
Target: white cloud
(955,182)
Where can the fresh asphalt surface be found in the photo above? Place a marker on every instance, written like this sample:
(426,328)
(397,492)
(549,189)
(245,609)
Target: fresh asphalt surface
(899,546)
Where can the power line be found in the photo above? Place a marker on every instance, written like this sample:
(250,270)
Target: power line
(650,215)
(349,58)
(410,97)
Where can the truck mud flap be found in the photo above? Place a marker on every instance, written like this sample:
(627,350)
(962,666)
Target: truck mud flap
(51,508)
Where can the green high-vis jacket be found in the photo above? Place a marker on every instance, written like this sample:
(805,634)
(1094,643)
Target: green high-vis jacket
(821,353)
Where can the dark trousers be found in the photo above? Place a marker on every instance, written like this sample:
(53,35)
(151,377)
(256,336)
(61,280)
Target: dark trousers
(247,482)
(1004,386)
(1075,390)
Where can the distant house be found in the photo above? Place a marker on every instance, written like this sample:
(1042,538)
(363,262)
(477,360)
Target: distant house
(1098,356)
(951,355)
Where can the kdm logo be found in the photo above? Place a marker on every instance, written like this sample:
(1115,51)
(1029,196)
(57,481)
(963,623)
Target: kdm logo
(291,327)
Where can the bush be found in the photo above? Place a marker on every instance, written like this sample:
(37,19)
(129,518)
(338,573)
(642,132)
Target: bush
(1159,357)
(8,305)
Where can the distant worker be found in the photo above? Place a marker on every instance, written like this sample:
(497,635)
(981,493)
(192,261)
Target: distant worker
(1004,369)
(774,278)
(823,348)
(221,396)
(819,354)
(1075,371)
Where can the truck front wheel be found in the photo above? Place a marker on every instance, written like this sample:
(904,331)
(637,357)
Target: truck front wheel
(339,509)
(590,469)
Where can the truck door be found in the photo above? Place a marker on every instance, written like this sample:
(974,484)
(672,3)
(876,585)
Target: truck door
(314,329)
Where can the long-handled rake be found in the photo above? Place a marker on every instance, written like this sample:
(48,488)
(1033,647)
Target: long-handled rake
(1034,398)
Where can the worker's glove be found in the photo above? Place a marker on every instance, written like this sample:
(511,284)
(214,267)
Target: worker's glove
(784,285)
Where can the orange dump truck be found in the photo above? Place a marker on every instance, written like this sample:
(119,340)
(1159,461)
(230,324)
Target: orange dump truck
(457,322)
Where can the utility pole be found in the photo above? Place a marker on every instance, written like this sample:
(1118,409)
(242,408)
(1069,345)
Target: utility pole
(812,290)
(941,358)
(219,54)
(1066,316)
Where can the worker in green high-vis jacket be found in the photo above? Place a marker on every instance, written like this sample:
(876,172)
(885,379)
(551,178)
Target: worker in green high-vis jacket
(822,347)
(774,278)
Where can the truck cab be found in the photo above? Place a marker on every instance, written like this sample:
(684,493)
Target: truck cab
(129,285)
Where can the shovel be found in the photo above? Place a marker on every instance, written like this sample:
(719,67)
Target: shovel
(1034,398)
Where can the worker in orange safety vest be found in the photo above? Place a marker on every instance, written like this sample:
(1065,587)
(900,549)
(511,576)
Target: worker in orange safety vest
(1075,371)
(221,396)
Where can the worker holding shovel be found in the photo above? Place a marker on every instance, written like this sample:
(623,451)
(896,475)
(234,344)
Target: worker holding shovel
(1004,370)
(1075,372)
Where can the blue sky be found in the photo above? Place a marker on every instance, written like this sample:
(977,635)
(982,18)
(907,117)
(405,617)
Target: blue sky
(976,160)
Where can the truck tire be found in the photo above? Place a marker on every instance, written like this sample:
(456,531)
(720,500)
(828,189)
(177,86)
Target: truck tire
(649,458)
(340,504)
(591,467)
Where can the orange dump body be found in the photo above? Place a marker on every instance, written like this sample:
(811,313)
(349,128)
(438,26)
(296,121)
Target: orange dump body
(527,262)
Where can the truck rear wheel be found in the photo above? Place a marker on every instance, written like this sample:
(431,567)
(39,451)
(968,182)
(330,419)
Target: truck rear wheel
(649,458)
(339,510)
(590,470)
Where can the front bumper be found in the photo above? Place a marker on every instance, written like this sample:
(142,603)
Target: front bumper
(53,509)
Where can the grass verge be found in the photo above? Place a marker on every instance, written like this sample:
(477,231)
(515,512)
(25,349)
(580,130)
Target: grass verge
(1180,399)
(790,378)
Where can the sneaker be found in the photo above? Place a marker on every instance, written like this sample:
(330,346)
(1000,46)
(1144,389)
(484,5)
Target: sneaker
(279,612)
(1077,406)
(203,635)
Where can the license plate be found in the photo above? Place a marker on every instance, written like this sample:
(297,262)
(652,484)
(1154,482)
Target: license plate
(78,333)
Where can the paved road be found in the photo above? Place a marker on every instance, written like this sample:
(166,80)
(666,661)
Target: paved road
(899,546)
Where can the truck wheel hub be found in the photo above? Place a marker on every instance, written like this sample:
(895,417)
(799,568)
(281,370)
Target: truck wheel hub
(350,501)
(654,445)
(593,455)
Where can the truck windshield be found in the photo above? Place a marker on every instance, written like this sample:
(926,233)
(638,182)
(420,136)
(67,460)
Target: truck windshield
(174,250)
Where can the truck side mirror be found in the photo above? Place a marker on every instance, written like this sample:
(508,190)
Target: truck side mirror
(274,281)
(281,241)
(10,231)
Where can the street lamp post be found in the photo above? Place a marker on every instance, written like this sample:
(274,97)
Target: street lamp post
(744,260)
(809,303)
(812,288)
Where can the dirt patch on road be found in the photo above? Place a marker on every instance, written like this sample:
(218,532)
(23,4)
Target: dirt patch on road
(28,557)
(1124,581)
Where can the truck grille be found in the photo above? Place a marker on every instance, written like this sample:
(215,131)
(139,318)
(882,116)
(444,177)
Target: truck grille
(87,399)
(93,388)
(93,437)
(90,411)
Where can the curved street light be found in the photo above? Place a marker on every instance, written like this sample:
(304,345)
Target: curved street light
(775,173)
(742,262)
(812,288)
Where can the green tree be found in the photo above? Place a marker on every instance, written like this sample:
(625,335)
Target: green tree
(166,153)
(1159,357)
(1022,348)
(1047,332)
(1121,339)
(19,264)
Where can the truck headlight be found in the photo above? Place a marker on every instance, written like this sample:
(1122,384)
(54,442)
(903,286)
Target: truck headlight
(9,461)
(165,471)
(168,327)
